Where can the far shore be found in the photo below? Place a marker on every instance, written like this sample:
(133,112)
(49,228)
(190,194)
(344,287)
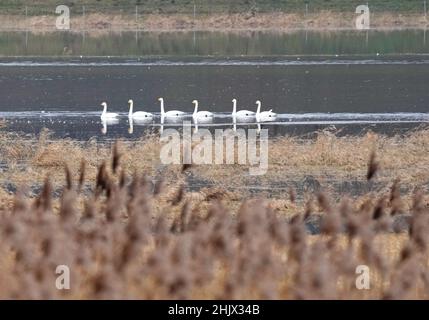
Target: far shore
(280,22)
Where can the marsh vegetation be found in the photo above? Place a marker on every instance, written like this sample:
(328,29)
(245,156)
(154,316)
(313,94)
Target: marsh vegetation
(130,228)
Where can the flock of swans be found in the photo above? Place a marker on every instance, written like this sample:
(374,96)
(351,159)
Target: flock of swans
(197,116)
(241,115)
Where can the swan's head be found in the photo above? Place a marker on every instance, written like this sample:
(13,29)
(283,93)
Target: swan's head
(104,104)
(160,99)
(130,101)
(269,115)
(258,102)
(272,114)
(195,101)
(234,100)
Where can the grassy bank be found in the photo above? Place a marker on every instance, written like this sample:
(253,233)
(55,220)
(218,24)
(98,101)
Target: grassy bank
(149,15)
(38,7)
(282,22)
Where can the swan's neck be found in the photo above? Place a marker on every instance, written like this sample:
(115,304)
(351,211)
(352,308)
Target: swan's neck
(162,106)
(196,108)
(258,110)
(130,114)
(104,109)
(234,107)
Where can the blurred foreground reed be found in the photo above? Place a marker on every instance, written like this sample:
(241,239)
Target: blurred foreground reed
(128,237)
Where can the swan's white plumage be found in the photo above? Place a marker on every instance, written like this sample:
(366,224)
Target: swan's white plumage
(107,115)
(204,114)
(242,115)
(139,115)
(264,116)
(171,113)
(200,115)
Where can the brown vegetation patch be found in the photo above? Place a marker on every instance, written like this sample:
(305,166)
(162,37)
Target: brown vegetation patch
(323,20)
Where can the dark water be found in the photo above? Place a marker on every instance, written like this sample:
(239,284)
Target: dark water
(288,86)
(312,80)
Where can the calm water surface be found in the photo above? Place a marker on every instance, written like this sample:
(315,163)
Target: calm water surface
(348,80)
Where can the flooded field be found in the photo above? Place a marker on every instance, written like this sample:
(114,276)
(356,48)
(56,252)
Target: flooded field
(345,82)
(348,79)
(385,93)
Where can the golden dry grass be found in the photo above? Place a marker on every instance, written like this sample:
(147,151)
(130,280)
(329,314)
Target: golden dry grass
(28,161)
(98,23)
(210,243)
(402,157)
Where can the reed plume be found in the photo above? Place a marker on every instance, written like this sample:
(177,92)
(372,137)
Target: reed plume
(115,158)
(81,174)
(373,166)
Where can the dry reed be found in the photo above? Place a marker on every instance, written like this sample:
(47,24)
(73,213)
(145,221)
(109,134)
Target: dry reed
(128,238)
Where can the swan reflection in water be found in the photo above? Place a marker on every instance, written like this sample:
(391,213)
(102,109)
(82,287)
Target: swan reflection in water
(106,122)
(169,120)
(198,121)
(138,122)
(141,122)
(258,126)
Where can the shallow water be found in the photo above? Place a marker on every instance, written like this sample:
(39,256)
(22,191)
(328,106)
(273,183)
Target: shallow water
(83,126)
(349,80)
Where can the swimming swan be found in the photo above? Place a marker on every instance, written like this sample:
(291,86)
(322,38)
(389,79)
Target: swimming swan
(107,115)
(200,115)
(139,115)
(242,115)
(264,116)
(170,114)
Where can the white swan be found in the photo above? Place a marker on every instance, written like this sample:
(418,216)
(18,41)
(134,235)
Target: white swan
(242,115)
(200,115)
(264,116)
(139,115)
(170,114)
(107,115)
